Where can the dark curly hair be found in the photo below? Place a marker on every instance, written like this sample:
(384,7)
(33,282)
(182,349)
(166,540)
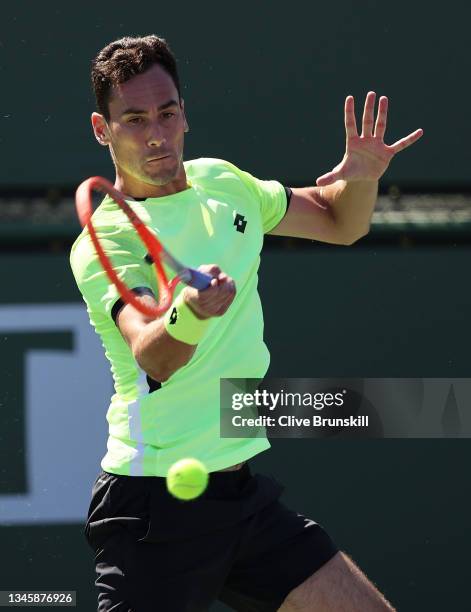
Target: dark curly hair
(124,58)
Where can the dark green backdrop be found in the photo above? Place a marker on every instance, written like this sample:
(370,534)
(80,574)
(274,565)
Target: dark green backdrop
(264,83)
(400,508)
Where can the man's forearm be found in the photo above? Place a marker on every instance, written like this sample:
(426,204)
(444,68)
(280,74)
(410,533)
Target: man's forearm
(158,354)
(352,205)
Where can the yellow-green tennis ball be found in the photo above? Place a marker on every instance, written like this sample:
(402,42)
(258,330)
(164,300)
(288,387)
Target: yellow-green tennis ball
(187,479)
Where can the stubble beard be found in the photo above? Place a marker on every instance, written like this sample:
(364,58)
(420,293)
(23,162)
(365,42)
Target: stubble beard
(162,178)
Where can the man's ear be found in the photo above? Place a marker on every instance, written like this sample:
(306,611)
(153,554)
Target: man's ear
(100,129)
(182,106)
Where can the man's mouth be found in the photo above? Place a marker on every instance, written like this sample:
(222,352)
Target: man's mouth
(154,159)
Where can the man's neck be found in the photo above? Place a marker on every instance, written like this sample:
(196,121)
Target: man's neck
(141,191)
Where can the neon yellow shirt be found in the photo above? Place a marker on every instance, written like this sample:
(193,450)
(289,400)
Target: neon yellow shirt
(221,219)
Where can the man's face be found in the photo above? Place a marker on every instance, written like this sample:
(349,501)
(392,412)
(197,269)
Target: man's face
(146,122)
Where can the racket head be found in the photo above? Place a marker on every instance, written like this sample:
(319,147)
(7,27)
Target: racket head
(84,206)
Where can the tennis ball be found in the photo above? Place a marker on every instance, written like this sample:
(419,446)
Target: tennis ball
(187,479)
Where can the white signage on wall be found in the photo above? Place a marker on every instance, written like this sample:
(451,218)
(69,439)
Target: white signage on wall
(66,397)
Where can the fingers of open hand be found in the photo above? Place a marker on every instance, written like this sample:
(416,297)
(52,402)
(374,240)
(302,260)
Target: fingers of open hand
(403,143)
(368,114)
(350,121)
(381,118)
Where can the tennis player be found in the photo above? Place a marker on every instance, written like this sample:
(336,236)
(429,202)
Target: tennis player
(238,542)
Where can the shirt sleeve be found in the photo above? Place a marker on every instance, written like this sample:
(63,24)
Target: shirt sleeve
(272,196)
(127,257)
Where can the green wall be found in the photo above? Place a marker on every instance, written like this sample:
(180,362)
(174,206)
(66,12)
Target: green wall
(398,507)
(264,84)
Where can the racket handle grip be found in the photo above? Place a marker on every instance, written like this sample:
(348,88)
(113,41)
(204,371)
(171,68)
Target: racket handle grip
(199,280)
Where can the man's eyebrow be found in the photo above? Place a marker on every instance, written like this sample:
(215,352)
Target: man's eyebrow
(137,111)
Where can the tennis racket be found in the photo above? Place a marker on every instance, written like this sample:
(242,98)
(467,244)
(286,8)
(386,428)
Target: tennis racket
(189,276)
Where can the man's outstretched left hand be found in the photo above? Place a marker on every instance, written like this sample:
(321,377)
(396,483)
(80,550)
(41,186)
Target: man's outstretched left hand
(367,156)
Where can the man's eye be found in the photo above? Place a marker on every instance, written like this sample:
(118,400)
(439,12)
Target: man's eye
(167,115)
(135,120)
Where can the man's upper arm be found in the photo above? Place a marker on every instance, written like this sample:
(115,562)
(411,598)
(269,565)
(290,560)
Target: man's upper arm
(291,211)
(310,216)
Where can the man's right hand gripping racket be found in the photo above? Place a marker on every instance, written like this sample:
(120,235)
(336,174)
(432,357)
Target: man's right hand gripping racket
(166,288)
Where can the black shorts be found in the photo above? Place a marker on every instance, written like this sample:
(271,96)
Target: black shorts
(237,543)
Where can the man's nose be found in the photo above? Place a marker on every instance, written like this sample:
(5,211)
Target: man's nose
(155,136)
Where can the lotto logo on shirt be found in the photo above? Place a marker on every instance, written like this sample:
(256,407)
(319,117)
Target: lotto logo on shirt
(240,223)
